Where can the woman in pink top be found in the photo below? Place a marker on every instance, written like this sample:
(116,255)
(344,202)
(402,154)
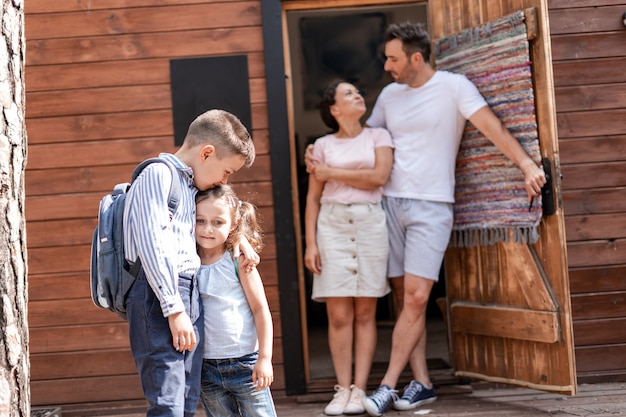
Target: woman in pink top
(346,237)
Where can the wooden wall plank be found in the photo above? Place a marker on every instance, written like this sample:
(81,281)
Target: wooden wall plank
(600,332)
(612,200)
(150,19)
(61,313)
(61,207)
(586,19)
(600,279)
(64,286)
(599,305)
(115,73)
(82,364)
(601,123)
(47,6)
(589,71)
(61,232)
(144,124)
(113,335)
(595,227)
(593,149)
(572,4)
(596,45)
(85,390)
(77,129)
(97,153)
(112,100)
(596,253)
(154,45)
(591,97)
(594,175)
(596,359)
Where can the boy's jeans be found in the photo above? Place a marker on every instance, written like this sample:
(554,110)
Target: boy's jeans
(170,379)
(227,389)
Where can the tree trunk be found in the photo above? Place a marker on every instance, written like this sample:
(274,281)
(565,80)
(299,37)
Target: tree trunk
(14,363)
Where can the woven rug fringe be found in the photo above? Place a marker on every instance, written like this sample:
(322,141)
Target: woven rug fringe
(491,236)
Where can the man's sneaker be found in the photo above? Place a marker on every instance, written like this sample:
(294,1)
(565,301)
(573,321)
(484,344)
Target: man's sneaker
(355,403)
(336,406)
(415,394)
(377,403)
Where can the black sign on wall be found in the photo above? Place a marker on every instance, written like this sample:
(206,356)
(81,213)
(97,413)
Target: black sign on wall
(201,84)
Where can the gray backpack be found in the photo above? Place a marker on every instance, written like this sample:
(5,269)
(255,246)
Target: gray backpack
(111,275)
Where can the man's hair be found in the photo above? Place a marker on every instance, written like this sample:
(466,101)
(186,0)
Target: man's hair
(224,131)
(414,38)
(328,99)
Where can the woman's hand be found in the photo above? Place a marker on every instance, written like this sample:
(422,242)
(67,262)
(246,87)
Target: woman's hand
(312,259)
(322,172)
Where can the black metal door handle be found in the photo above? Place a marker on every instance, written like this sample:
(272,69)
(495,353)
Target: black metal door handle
(547,192)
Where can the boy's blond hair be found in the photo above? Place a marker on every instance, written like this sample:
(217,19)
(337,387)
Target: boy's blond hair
(223,130)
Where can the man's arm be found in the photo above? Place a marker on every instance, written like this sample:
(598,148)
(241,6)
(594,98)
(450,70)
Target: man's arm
(489,124)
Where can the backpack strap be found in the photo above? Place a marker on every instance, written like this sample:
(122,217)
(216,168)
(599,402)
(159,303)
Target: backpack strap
(173,198)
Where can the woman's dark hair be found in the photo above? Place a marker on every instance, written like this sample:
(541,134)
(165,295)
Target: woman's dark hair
(328,99)
(414,38)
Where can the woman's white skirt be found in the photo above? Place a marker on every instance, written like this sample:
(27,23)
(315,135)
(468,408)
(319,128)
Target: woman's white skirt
(353,244)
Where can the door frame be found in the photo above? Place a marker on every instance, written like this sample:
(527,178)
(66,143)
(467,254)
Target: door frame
(288,247)
(282,185)
(284,178)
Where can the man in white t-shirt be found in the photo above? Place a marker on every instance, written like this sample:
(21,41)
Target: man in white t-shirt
(425,111)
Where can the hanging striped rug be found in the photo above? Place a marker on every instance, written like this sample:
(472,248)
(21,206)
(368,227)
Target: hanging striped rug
(491,203)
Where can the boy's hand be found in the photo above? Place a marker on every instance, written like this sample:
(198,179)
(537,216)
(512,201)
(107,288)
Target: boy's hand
(183,335)
(250,258)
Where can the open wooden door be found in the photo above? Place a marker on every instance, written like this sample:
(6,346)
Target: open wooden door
(508,305)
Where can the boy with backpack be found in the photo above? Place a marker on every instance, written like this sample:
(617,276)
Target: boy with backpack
(163,306)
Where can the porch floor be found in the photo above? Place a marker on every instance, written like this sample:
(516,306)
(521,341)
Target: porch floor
(472,400)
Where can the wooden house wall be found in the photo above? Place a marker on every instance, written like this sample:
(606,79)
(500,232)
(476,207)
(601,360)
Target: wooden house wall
(589,61)
(98,102)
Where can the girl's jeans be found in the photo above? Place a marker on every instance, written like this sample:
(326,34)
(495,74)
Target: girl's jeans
(170,379)
(227,389)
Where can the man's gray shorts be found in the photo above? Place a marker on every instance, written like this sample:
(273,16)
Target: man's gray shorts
(419,232)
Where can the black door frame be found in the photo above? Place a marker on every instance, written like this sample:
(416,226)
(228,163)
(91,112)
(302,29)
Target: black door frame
(286,254)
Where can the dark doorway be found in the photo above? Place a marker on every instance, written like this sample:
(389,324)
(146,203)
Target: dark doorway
(345,43)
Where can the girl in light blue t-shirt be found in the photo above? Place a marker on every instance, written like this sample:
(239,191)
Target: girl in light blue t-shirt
(237,361)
